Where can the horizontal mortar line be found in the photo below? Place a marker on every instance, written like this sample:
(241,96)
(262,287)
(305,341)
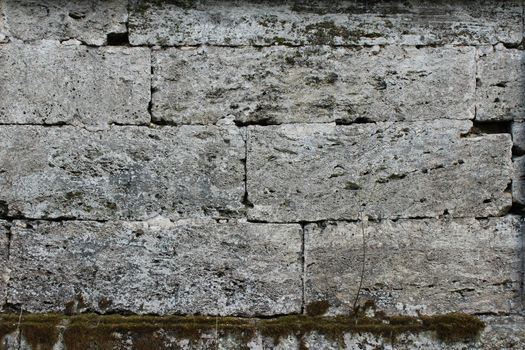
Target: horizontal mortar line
(350,46)
(154,125)
(244,220)
(373,220)
(255,317)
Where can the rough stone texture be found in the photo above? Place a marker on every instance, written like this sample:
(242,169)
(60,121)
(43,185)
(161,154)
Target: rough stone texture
(428,266)
(518,180)
(500,84)
(122,172)
(314,172)
(518,136)
(87,21)
(50,83)
(312,84)
(340,23)
(159,267)
(4,254)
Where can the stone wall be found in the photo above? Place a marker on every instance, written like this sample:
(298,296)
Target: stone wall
(283,170)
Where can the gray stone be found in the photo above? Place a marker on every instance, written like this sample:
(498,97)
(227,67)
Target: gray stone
(160,267)
(338,23)
(87,21)
(310,172)
(124,172)
(500,85)
(275,85)
(518,136)
(428,266)
(4,255)
(50,83)
(518,180)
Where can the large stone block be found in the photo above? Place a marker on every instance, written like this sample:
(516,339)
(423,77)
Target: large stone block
(50,83)
(87,21)
(500,84)
(157,267)
(428,266)
(4,255)
(315,172)
(312,84)
(122,172)
(338,23)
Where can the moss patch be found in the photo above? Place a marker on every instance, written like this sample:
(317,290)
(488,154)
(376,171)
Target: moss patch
(146,332)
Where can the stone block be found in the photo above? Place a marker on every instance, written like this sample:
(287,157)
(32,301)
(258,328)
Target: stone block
(157,267)
(5,271)
(124,172)
(518,180)
(275,85)
(518,136)
(310,172)
(50,83)
(500,85)
(410,266)
(87,21)
(336,23)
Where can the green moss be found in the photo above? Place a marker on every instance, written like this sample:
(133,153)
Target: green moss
(146,332)
(454,327)
(40,331)
(317,308)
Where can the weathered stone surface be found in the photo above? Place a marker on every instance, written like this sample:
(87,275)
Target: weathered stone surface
(159,267)
(87,21)
(122,172)
(429,265)
(340,23)
(518,180)
(500,84)
(50,83)
(518,136)
(389,170)
(4,268)
(312,84)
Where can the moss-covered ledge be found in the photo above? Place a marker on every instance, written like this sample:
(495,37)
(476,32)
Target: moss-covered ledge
(84,331)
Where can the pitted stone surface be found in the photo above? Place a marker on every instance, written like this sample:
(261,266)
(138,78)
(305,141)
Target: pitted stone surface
(87,21)
(518,181)
(122,172)
(310,172)
(428,266)
(50,83)
(159,267)
(275,85)
(500,84)
(337,23)
(4,267)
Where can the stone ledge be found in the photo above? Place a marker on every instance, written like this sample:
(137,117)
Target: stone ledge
(45,331)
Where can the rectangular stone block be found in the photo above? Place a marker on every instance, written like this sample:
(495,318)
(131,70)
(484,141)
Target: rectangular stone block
(427,266)
(50,83)
(157,267)
(121,173)
(4,267)
(518,180)
(500,84)
(86,21)
(275,85)
(310,172)
(518,136)
(320,22)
